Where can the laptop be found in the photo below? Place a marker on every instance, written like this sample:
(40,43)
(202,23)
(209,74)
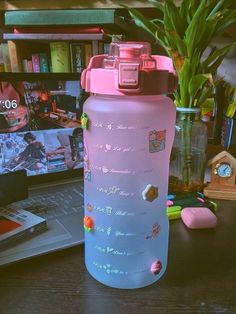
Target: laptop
(41,139)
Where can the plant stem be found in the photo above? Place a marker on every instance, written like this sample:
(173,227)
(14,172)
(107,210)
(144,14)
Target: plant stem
(186,153)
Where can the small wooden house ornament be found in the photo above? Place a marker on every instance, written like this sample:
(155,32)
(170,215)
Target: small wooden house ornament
(223,175)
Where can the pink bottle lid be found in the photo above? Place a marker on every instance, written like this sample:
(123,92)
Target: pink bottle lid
(129,68)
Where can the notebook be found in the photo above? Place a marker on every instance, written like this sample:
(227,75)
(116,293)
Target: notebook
(41,139)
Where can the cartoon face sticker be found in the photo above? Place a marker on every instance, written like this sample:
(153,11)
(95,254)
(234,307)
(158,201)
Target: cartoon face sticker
(157,140)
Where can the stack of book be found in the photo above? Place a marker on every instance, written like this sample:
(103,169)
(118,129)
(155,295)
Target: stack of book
(56,48)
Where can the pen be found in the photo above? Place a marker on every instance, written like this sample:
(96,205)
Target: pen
(188,201)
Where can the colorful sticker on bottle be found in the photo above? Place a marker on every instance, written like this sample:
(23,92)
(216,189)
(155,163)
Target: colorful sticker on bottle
(88,223)
(84,120)
(89,207)
(156,267)
(87,170)
(150,193)
(157,141)
(156,228)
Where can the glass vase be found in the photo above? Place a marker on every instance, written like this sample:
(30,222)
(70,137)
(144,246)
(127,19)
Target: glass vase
(188,155)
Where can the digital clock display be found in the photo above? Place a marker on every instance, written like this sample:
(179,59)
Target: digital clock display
(8,104)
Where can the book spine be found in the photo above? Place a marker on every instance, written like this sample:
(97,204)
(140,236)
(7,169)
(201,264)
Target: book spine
(106,48)
(25,65)
(30,66)
(43,61)
(60,56)
(88,53)
(77,57)
(2,68)
(95,50)
(226,132)
(14,57)
(6,57)
(100,48)
(86,17)
(36,63)
(57,30)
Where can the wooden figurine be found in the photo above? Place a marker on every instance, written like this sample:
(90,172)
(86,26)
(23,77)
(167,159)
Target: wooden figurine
(223,174)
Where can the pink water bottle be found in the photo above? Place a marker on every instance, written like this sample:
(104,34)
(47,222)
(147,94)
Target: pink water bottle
(129,126)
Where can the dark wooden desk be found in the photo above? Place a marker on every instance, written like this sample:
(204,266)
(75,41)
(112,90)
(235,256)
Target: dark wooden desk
(201,278)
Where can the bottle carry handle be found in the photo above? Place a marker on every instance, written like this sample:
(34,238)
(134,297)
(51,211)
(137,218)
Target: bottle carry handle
(128,78)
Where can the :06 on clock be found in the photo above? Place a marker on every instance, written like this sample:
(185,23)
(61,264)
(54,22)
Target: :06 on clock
(10,104)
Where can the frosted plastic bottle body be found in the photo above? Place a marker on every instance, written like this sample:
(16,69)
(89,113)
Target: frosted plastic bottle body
(127,148)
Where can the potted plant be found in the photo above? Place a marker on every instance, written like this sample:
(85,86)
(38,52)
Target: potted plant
(185,31)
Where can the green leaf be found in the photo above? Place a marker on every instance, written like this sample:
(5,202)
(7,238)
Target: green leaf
(161,39)
(195,61)
(141,21)
(214,66)
(157,21)
(175,41)
(228,19)
(185,75)
(168,23)
(193,6)
(218,6)
(157,4)
(214,55)
(196,28)
(183,12)
(231,107)
(204,94)
(195,84)
(173,14)
(206,36)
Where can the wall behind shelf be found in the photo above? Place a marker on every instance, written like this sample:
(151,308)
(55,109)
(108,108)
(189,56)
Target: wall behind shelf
(70,4)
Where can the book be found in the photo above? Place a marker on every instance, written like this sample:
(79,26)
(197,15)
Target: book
(36,62)
(6,57)
(106,48)
(56,30)
(43,63)
(2,68)
(112,19)
(228,133)
(88,53)
(17,223)
(77,53)
(14,56)
(100,48)
(25,65)
(95,50)
(30,66)
(54,36)
(60,56)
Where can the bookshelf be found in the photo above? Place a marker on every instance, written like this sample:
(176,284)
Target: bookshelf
(28,33)
(11,76)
